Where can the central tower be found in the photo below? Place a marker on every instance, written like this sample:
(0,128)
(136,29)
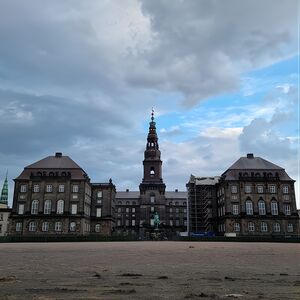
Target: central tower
(152,164)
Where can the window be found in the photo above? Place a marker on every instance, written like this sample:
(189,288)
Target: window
(260,189)
(60,207)
(177,210)
(18,226)
(152,209)
(98,212)
(152,171)
(132,222)
(286,197)
(1,217)
(119,209)
(272,189)
(249,207)
(276,227)
(119,223)
(45,226)
(152,199)
(177,223)
(32,226)
(74,209)
(274,208)
(290,227)
(99,194)
(235,209)
(184,210)
(97,227)
(47,207)
(34,207)
(234,197)
(49,188)
(58,226)
(21,209)
(75,188)
(236,227)
(170,209)
(61,188)
(233,189)
(287,209)
(36,188)
(171,222)
(247,189)
(127,222)
(133,210)
(261,207)
(151,222)
(127,209)
(185,222)
(264,227)
(251,226)
(285,189)
(23,188)
(72,226)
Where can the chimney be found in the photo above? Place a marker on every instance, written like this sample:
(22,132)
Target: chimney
(58,154)
(250,155)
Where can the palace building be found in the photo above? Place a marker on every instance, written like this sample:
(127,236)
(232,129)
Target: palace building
(55,196)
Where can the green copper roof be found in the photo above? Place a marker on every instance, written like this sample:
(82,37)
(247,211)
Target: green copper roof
(4,193)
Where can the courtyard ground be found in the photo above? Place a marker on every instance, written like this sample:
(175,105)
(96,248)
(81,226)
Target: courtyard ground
(150,270)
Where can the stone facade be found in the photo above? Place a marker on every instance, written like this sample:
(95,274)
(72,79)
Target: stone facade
(54,196)
(4,217)
(256,197)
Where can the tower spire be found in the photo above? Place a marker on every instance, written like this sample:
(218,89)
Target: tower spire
(152,115)
(4,192)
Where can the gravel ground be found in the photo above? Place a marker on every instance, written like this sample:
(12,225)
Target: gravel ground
(149,270)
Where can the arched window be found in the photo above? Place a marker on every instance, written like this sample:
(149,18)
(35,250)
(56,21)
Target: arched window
(274,208)
(133,203)
(276,227)
(152,198)
(251,226)
(127,203)
(45,226)
(32,226)
(152,171)
(60,207)
(97,227)
(176,203)
(47,207)
(290,227)
(170,203)
(249,207)
(34,207)
(58,226)
(72,226)
(236,227)
(264,227)
(261,207)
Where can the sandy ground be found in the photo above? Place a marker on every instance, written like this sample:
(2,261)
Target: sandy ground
(150,270)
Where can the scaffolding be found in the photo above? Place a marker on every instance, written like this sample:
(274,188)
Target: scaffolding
(201,194)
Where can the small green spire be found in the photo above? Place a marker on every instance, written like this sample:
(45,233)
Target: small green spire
(4,193)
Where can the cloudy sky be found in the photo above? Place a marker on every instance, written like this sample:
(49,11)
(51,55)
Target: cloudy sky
(81,77)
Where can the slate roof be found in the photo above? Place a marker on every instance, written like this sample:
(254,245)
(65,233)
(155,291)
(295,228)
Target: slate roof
(128,195)
(136,195)
(53,164)
(256,165)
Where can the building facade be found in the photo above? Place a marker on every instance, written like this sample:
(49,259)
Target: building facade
(256,197)
(55,196)
(136,210)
